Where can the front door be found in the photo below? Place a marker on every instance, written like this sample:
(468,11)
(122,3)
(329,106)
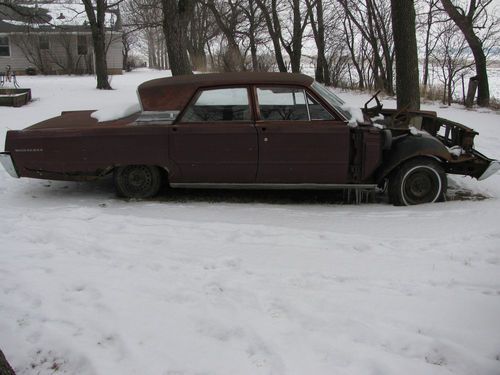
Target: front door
(299,140)
(215,141)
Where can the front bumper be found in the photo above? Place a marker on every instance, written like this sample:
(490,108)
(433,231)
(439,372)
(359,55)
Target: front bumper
(493,168)
(8,164)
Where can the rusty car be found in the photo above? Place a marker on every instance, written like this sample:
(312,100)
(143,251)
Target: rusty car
(251,130)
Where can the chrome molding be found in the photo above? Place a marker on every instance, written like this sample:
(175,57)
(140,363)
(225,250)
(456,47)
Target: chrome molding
(164,117)
(493,168)
(8,164)
(273,186)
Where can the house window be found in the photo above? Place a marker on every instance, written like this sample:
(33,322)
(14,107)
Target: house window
(4,46)
(43,41)
(82,45)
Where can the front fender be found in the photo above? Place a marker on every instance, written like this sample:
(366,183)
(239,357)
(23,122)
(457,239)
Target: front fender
(408,147)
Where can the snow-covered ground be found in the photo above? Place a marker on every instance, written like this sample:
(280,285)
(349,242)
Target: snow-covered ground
(242,283)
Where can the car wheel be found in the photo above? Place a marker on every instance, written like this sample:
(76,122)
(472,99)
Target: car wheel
(417,181)
(137,181)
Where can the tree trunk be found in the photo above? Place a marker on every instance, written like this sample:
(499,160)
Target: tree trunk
(101,65)
(5,368)
(471,92)
(98,28)
(176,15)
(296,54)
(405,45)
(252,10)
(466,25)
(322,73)
(272,22)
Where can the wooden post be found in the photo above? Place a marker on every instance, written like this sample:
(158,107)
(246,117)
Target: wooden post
(471,92)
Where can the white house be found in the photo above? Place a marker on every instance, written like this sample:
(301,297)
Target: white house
(53,37)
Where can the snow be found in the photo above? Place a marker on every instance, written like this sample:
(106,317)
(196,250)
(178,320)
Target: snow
(243,282)
(456,151)
(116,111)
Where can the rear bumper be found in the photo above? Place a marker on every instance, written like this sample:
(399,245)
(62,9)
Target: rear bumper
(493,168)
(8,164)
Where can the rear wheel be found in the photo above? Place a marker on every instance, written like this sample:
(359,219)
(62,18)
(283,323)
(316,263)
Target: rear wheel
(137,181)
(417,181)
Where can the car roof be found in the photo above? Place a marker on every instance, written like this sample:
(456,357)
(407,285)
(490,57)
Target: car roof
(173,93)
(233,78)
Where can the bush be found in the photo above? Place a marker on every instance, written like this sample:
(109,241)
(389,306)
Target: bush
(31,71)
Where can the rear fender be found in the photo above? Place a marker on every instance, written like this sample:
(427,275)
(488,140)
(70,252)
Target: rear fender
(408,147)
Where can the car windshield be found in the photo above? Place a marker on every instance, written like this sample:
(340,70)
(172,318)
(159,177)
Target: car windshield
(332,99)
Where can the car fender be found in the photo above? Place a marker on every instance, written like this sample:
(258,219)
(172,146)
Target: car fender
(408,147)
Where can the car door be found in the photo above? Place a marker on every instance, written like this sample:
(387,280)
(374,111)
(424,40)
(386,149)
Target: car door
(215,140)
(300,141)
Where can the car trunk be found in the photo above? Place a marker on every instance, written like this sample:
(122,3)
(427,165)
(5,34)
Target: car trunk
(79,119)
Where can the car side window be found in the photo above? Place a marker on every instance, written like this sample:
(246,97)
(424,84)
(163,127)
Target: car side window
(317,111)
(213,105)
(282,103)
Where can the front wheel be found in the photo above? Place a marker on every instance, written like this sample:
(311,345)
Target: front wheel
(417,181)
(137,181)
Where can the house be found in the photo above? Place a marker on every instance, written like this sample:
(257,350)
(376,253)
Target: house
(53,37)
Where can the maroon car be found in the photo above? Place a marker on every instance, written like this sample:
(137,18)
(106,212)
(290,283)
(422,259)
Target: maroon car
(250,130)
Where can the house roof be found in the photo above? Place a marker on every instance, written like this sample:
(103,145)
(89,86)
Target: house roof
(51,16)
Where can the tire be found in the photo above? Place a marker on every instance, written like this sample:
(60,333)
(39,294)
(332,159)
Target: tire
(417,181)
(137,181)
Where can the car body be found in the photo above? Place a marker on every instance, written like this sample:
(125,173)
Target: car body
(250,130)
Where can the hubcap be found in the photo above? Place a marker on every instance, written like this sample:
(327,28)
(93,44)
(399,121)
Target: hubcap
(137,179)
(421,184)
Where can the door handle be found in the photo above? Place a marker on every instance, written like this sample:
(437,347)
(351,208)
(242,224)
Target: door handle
(266,139)
(264,129)
(174,128)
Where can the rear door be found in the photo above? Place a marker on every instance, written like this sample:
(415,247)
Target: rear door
(215,140)
(300,141)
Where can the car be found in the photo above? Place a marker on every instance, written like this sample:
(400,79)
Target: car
(251,130)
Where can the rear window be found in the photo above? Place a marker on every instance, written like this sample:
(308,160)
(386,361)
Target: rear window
(214,105)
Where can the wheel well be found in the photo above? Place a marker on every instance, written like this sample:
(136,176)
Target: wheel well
(163,171)
(387,171)
(164,175)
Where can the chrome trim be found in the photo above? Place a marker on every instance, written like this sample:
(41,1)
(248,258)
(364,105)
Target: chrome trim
(8,164)
(307,105)
(139,97)
(273,186)
(166,117)
(493,168)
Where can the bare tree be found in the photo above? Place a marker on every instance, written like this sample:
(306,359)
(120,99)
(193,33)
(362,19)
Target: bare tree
(176,17)
(270,11)
(469,21)
(317,19)
(29,44)
(228,15)
(428,20)
(451,57)
(202,30)
(96,14)
(372,19)
(254,32)
(405,43)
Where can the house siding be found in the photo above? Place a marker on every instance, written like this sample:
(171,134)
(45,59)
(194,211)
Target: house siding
(57,53)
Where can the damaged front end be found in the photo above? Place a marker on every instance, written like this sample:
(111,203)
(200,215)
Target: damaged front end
(457,138)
